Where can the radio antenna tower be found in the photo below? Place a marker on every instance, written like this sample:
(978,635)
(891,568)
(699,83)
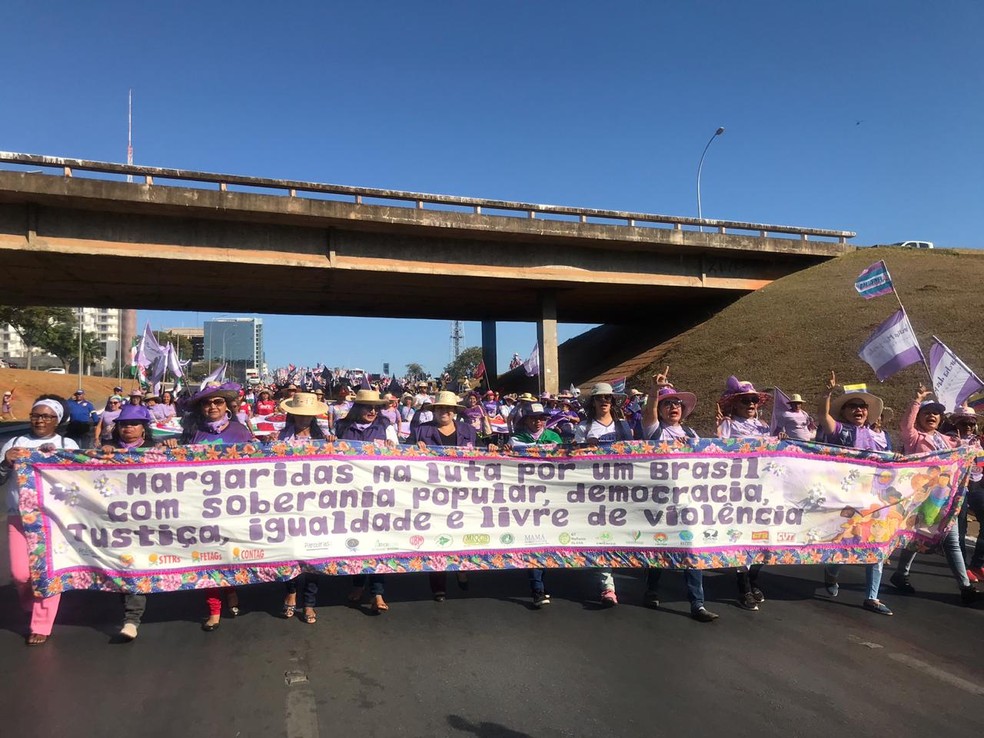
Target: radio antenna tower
(457,338)
(129,133)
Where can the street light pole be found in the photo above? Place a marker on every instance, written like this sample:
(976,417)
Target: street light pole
(80,348)
(700,166)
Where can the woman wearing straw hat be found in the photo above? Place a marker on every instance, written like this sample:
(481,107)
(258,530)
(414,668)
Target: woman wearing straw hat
(212,419)
(302,410)
(662,422)
(920,430)
(444,430)
(737,417)
(844,422)
(46,417)
(603,421)
(794,421)
(365,423)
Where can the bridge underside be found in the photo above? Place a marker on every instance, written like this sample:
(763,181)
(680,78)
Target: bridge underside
(71,241)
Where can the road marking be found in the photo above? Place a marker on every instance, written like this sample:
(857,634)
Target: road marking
(944,676)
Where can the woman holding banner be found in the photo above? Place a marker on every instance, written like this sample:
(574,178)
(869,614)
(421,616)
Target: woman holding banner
(131,430)
(662,422)
(365,423)
(737,417)
(920,429)
(303,411)
(444,430)
(46,417)
(212,419)
(851,430)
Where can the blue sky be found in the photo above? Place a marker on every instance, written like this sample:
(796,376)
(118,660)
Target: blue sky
(855,116)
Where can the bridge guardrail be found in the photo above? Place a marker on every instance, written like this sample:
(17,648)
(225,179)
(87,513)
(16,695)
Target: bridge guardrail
(477,205)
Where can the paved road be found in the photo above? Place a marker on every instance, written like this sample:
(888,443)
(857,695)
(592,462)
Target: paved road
(485,664)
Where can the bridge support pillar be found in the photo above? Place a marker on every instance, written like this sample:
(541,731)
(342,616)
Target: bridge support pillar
(546,337)
(489,352)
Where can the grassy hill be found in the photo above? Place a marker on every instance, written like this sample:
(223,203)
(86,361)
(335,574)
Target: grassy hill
(791,333)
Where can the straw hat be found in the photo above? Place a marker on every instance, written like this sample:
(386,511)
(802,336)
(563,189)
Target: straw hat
(604,388)
(303,403)
(444,399)
(368,397)
(795,397)
(875,404)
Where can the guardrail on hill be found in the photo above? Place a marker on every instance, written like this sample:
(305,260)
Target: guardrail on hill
(477,205)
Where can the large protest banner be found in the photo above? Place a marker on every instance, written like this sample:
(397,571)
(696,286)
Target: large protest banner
(196,517)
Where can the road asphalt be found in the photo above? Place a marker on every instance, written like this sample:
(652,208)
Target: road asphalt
(484,663)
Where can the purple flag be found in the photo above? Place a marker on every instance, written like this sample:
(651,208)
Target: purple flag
(618,386)
(532,365)
(780,404)
(953,381)
(893,346)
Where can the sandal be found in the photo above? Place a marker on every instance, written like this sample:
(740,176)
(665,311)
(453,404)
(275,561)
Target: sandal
(289,610)
(379,604)
(232,601)
(310,616)
(36,639)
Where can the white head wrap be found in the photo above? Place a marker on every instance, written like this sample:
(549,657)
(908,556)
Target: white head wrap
(54,406)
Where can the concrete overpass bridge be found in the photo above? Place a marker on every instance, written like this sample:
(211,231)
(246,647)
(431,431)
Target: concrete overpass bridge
(115,235)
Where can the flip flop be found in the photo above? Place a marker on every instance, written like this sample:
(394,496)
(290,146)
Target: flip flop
(310,617)
(36,639)
(379,605)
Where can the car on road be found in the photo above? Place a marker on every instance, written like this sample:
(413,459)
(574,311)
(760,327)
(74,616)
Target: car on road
(914,244)
(55,370)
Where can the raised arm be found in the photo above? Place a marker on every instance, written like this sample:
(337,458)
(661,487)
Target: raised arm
(824,418)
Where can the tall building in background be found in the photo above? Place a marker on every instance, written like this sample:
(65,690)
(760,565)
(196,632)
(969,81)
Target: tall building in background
(108,324)
(236,341)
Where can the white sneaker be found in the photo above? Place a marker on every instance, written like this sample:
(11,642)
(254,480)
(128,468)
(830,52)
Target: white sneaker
(128,631)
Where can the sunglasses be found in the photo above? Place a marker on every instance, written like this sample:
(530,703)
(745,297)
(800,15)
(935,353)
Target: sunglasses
(856,406)
(749,400)
(671,403)
(603,398)
(215,401)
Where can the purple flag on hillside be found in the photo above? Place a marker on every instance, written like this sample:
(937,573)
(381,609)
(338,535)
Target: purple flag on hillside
(953,381)
(874,281)
(893,346)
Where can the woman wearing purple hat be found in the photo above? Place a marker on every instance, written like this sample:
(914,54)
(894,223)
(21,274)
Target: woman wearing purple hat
(211,418)
(844,422)
(662,422)
(131,430)
(737,417)
(920,429)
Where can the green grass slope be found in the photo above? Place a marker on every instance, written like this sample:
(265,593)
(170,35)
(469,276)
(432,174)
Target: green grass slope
(792,332)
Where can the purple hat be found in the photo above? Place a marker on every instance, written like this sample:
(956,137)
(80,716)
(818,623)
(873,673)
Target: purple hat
(734,389)
(227,390)
(687,399)
(134,414)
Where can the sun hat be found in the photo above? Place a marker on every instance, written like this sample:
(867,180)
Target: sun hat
(687,399)
(151,395)
(226,390)
(635,393)
(964,411)
(734,388)
(932,406)
(535,410)
(136,392)
(134,414)
(795,397)
(604,388)
(526,397)
(875,404)
(368,397)
(303,403)
(444,399)
(116,398)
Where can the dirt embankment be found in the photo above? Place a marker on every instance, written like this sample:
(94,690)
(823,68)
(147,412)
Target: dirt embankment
(29,384)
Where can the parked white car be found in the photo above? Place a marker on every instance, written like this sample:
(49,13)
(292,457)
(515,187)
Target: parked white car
(55,370)
(914,244)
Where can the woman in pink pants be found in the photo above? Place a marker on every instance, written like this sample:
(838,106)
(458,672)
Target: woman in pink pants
(46,416)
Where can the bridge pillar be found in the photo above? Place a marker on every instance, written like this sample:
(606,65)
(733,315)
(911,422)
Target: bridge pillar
(489,352)
(546,337)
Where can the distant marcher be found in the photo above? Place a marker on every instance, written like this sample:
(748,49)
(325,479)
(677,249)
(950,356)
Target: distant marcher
(795,422)
(7,408)
(82,417)
(104,427)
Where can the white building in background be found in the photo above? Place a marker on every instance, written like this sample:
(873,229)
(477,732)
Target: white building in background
(237,342)
(106,323)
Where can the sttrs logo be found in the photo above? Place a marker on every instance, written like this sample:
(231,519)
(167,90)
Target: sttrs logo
(156,559)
